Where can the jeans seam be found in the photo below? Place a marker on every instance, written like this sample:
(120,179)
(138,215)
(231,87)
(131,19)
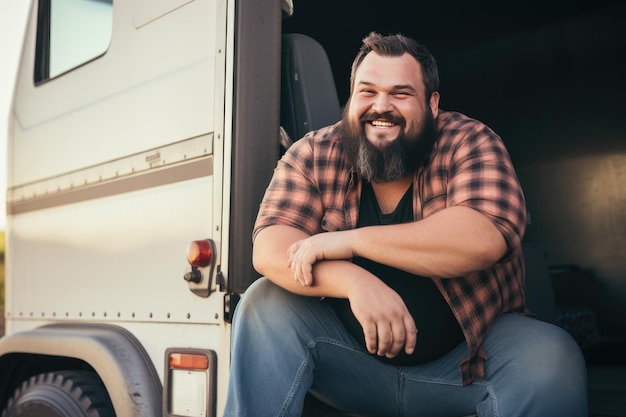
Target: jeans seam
(335,342)
(294,387)
(304,364)
(492,395)
(434,380)
(487,384)
(400,397)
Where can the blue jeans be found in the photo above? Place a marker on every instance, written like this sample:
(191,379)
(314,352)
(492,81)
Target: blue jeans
(285,345)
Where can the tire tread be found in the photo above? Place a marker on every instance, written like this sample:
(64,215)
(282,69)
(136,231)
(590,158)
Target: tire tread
(85,389)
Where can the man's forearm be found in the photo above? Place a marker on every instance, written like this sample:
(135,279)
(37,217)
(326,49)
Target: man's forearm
(451,243)
(332,278)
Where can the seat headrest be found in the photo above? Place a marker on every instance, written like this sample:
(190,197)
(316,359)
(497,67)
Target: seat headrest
(309,98)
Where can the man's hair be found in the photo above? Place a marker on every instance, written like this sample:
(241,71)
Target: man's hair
(398,45)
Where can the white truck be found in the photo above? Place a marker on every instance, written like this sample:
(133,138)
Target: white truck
(138,127)
(141,139)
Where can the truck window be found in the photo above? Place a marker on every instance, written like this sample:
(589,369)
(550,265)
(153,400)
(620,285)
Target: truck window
(69,34)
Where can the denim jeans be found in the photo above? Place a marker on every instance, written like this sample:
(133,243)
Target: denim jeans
(285,345)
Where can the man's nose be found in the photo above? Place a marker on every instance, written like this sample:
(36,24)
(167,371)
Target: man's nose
(382,104)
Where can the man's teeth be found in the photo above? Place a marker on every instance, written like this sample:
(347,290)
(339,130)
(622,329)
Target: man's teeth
(382,123)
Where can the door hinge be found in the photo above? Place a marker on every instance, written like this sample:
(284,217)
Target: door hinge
(230,303)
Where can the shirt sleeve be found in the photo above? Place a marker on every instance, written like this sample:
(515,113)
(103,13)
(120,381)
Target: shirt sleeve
(292,197)
(483,178)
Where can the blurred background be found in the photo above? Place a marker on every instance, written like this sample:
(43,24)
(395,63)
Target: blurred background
(12,25)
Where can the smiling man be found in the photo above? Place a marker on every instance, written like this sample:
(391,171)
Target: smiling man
(391,248)
(389,127)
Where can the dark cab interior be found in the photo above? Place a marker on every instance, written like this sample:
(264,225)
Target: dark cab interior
(548,77)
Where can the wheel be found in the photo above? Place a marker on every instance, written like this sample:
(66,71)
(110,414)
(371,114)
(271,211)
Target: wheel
(61,394)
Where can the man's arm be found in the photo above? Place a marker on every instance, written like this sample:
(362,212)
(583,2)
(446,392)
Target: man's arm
(451,243)
(269,257)
(387,324)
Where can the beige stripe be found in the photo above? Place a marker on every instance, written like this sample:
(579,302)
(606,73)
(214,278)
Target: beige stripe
(168,175)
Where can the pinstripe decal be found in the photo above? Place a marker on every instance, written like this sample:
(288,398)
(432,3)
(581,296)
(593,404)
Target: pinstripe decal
(181,161)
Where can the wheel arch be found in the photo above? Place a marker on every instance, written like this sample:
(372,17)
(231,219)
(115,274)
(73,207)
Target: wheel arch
(112,352)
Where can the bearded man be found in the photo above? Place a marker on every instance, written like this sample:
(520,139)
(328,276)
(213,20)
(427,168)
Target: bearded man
(391,249)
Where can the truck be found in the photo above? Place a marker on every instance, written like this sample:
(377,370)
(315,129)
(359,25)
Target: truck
(142,136)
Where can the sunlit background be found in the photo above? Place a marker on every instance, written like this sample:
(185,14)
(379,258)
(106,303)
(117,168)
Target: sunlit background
(12,24)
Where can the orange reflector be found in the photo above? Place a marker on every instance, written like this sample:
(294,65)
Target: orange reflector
(188,361)
(199,253)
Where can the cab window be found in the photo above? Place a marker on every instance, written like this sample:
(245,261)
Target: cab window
(69,34)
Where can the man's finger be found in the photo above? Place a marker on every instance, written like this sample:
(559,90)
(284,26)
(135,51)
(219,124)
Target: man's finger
(411,335)
(385,338)
(371,336)
(399,337)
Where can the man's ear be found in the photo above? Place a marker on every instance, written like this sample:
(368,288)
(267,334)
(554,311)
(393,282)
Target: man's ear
(434,103)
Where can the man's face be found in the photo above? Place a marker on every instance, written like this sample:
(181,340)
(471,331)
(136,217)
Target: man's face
(389,121)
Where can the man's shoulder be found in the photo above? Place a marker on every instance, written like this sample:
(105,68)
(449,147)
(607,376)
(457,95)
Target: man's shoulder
(319,140)
(448,120)
(328,134)
(454,126)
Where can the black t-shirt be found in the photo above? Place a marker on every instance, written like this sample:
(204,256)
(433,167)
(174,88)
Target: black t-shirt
(438,329)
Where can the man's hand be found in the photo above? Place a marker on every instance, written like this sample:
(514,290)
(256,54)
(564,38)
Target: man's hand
(387,324)
(304,253)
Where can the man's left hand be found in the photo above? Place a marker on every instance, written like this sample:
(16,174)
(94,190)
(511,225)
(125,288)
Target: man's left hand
(304,253)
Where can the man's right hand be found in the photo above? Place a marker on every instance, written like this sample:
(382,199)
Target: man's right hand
(387,324)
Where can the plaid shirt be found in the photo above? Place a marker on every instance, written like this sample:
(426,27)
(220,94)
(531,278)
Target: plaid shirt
(315,189)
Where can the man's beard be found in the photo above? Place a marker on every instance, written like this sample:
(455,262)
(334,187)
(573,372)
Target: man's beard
(387,163)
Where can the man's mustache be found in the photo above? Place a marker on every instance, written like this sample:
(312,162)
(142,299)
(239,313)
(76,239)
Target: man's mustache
(388,116)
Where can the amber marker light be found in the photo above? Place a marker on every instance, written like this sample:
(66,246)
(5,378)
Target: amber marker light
(188,361)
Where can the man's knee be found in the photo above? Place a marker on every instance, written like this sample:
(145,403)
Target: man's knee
(544,371)
(558,361)
(257,301)
(267,305)
(548,355)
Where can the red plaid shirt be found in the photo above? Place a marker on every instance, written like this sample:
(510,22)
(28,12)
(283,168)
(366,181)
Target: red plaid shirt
(315,189)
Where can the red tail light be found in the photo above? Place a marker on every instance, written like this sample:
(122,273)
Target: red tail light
(200,253)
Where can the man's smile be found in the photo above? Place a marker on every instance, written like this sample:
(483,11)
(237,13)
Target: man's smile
(382,123)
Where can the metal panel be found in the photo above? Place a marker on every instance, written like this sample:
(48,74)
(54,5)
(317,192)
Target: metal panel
(256,124)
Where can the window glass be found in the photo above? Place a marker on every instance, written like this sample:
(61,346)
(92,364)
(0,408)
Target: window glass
(70,33)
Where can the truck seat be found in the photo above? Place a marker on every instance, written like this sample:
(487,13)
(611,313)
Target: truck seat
(538,286)
(309,98)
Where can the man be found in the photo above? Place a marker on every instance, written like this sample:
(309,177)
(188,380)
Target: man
(391,247)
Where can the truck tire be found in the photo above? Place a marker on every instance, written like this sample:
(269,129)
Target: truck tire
(61,394)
